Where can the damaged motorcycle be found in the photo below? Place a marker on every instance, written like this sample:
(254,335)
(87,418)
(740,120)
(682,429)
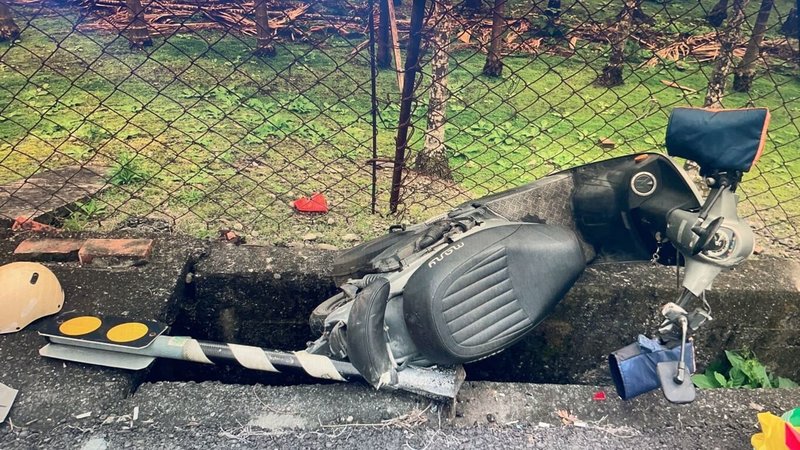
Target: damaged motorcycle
(421,301)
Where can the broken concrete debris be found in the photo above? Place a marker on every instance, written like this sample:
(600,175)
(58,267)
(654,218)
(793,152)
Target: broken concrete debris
(7,396)
(102,251)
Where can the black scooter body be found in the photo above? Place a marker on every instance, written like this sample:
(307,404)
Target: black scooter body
(597,201)
(470,283)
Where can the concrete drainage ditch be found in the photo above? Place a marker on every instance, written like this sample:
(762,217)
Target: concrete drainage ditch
(263,296)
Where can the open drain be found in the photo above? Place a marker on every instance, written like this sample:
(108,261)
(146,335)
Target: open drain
(226,311)
(263,297)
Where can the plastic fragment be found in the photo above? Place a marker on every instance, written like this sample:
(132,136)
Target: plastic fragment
(316,204)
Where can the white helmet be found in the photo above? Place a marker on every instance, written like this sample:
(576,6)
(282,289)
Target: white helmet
(28,291)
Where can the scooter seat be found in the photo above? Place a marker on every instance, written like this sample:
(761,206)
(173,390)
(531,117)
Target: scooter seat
(719,140)
(488,290)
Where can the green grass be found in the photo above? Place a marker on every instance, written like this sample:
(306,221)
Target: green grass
(198,131)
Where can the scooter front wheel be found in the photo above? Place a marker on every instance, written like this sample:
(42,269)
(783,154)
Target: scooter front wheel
(323,310)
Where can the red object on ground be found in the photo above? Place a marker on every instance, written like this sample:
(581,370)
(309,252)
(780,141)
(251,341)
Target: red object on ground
(317,203)
(22,223)
(231,236)
(599,395)
(792,438)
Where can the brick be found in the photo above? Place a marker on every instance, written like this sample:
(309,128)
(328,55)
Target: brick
(60,250)
(116,251)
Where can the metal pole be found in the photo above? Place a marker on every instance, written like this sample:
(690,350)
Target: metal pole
(411,67)
(373,103)
(440,383)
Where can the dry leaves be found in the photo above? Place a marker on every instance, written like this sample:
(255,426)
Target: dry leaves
(567,418)
(675,85)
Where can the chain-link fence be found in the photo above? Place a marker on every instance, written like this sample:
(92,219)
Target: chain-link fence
(201,115)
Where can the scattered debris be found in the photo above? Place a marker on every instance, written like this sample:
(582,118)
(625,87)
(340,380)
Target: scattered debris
(706,47)
(146,224)
(350,237)
(756,406)
(84,415)
(300,22)
(58,250)
(22,223)
(116,251)
(231,236)
(316,204)
(411,419)
(380,163)
(170,17)
(7,396)
(599,396)
(567,418)
(606,143)
(673,84)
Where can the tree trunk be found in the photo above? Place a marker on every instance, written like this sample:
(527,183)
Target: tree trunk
(138,35)
(791,27)
(552,26)
(718,14)
(432,160)
(612,72)
(264,45)
(745,71)
(383,56)
(638,15)
(9,30)
(474,5)
(494,65)
(727,41)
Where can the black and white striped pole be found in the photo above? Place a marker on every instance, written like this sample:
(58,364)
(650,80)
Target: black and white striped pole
(134,345)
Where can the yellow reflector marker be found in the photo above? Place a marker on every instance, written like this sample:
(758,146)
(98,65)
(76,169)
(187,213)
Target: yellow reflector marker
(78,326)
(127,332)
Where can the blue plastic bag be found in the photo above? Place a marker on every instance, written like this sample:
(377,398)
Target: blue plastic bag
(633,368)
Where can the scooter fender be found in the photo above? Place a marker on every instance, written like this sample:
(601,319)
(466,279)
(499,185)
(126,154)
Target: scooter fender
(367,347)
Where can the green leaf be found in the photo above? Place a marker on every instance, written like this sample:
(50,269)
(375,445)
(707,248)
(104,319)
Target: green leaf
(757,373)
(737,378)
(784,383)
(720,378)
(736,360)
(704,381)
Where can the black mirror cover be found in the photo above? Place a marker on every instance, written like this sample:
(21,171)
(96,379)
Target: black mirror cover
(724,140)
